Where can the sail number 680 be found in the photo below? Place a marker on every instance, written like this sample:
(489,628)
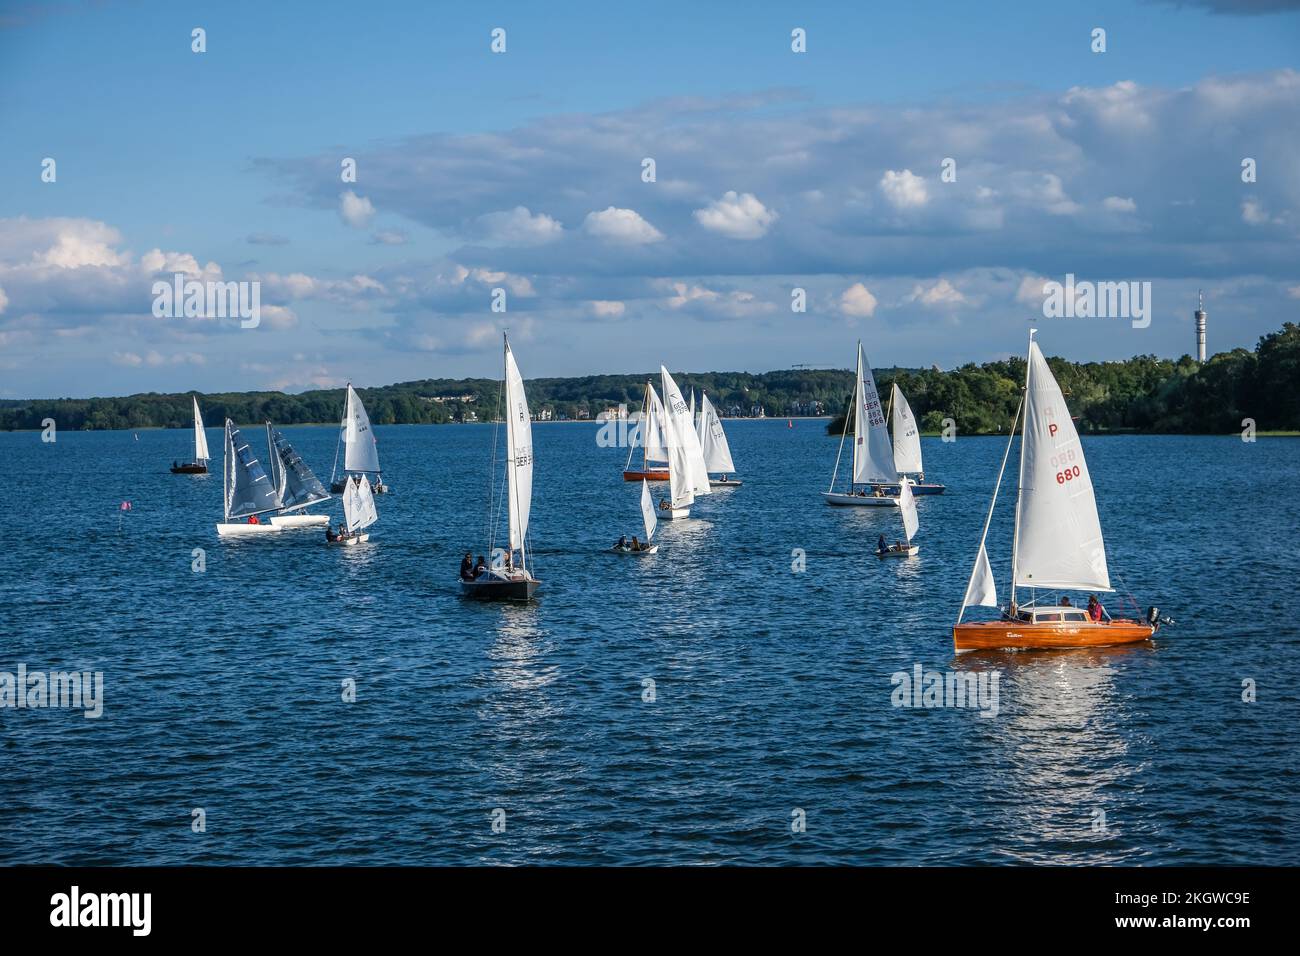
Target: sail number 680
(1068,475)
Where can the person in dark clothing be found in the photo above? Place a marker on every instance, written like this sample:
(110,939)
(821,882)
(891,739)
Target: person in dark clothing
(481,567)
(622,542)
(1065,602)
(881,547)
(467,568)
(329,533)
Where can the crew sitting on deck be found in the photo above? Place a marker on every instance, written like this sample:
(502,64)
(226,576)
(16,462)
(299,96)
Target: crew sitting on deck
(480,568)
(1095,610)
(467,567)
(252,519)
(881,547)
(636,545)
(622,542)
(329,533)
(1065,602)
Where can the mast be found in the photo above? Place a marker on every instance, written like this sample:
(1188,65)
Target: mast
(347,389)
(1020,482)
(845,430)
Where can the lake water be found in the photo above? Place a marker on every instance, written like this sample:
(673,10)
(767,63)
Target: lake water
(772,687)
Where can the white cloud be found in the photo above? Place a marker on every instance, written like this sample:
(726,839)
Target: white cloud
(1031,290)
(607,309)
(737,216)
(621,225)
(519,226)
(356,211)
(858,301)
(942,293)
(1119,204)
(4,300)
(904,190)
(1253,213)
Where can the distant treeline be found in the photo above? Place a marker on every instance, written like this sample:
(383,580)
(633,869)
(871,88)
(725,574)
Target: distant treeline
(1144,393)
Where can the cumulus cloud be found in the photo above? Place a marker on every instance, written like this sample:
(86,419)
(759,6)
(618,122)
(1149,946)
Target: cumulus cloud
(607,309)
(737,216)
(356,211)
(940,295)
(621,225)
(904,190)
(857,301)
(519,225)
(1119,204)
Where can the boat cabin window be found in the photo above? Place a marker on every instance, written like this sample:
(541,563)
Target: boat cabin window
(1076,616)
(1048,616)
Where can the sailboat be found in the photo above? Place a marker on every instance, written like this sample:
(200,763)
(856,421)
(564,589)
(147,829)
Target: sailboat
(199,466)
(873,458)
(713,444)
(358,512)
(648,517)
(650,438)
(248,490)
(295,483)
(361,451)
(506,580)
(907,508)
(1057,543)
(907,446)
(688,475)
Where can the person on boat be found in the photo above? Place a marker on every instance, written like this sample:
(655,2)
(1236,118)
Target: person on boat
(253,519)
(329,533)
(622,542)
(1095,610)
(480,568)
(467,567)
(1065,601)
(636,544)
(920,477)
(881,547)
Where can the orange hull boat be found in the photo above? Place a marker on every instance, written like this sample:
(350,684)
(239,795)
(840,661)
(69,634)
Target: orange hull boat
(1011,635)
(647,475)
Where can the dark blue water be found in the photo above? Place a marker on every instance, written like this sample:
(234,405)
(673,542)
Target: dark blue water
(223,688)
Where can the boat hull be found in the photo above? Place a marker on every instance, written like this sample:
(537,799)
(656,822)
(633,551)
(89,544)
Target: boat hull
(672,514)
(839,498)
(725,482)
(905,552)
(244,529)
(350,539)
(500,586)
(1022,635)
(929,489)
(190,469)
(648,475)
(653,549)
(299,521)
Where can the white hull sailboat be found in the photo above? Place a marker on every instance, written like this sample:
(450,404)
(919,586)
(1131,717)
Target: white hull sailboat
(713,445)
(360,449)
(248,491)
(508,580)
(643,548)
(199,466)
(1057,543)
(358,514)
(907,446)
(688,476)
(873,457)
(907,508)
(296,484)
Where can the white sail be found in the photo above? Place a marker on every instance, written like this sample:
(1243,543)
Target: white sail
(1058,541)
(200,436)
(519,452)
(907,505)
(248,489)
(652,428)
(298,486)
(361,454)
(694,417)
(366,503)
(873,459)
(648,511)
(981,590)
(681,432)
(907,438)
(717,453)
(353,509)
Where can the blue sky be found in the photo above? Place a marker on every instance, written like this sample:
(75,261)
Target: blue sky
(522,171)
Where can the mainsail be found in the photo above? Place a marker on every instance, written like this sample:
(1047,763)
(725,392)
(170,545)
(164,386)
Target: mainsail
(361,451)
(359,505)
(652,428)
(1058,533)
(873,459)
(200,436)
(297,485)
(717,453)
(648,511)
(248,488)
(681,432)
(907,505)
(907,439)
(519,452)
(681,483)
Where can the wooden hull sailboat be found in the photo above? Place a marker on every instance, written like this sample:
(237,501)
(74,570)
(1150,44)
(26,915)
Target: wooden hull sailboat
(511,580)
(649,437)
(199,466)
(1057,544)
(650,474)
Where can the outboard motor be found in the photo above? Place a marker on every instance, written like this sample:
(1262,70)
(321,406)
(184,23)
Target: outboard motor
(1155,618)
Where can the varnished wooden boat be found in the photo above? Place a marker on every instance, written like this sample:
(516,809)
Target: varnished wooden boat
(1048,628)
(647,474)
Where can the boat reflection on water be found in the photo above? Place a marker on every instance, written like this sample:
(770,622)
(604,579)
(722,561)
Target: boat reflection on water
(1065,775)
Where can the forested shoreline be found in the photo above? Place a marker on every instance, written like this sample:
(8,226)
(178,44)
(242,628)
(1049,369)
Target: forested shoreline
(1141,394)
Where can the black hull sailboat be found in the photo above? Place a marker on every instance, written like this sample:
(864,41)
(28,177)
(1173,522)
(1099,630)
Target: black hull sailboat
(501,586)
(199,466)
(190,468)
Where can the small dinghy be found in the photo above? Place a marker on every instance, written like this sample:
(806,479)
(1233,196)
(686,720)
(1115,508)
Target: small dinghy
(688,475)
(248,491)
(296,484)
(358,512)
(361,450)
(640,548)
(907,507)
(199,466)
(506,580)
(873,458)
(907,446)
(714,447)
(649,437)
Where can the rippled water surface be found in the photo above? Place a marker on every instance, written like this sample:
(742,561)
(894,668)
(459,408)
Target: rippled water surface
(223,689)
